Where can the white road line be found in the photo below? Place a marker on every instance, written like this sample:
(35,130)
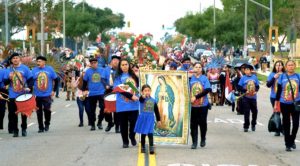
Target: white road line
(52,113)
(68,105)
(30,124)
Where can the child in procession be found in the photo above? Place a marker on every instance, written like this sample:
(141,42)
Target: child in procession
(145,122)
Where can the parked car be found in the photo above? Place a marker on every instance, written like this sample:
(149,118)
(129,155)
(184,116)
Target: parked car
(91,50)
(198,53)
(284,48)
(207,53)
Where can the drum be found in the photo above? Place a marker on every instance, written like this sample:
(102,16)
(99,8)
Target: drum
(25,104)
(110,102)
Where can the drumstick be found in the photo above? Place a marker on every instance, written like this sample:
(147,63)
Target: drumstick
(4,95)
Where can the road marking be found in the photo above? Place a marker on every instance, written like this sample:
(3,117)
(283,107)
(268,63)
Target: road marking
(30,124)
(297,141)
(152,159)
(141,157)
(68,105)
(52,113)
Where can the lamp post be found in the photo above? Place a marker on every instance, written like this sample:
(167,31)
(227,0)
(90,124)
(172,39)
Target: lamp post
(215,27)
(42,29)
(64,24)
(6,22)
(245,30)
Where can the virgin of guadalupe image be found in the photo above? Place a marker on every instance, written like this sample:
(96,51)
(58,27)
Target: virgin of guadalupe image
(164,95)
(288,91)
(17,85)
(42,81)
(197,89)
(250,88)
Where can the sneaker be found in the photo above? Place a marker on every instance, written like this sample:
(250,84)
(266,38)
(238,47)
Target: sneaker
(46,128)
(194,146)
(80,125)
(133,142)
(24,132)
(277,134)
(41,131)
(143,150)
(202,143)
(109,126)
(245,130)
(16,134)
(253,128)
(151,149)
(288,149)
(99,125)
(93,128)
(125,146)
(67,99)
(294,146)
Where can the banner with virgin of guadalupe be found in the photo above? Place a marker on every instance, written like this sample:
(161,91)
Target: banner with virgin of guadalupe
(170,90)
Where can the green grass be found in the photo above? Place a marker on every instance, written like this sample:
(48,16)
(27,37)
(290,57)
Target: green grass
(298,70)
(261,77)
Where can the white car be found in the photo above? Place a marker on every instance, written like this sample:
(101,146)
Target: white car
(91,50)
(207,53)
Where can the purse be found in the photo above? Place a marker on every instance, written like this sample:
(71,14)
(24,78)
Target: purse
(296,103)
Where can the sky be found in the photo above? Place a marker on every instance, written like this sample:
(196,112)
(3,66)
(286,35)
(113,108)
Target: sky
(149,15)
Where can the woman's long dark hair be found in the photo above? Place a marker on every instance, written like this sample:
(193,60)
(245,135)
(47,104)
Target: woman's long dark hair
(130,71)
(274,67)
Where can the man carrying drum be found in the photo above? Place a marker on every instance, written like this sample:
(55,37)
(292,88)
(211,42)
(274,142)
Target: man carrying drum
(43,77)
(94,84)
(111,71)
(17,76)
(3,96)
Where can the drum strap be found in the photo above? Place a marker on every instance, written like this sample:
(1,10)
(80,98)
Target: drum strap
(23,83)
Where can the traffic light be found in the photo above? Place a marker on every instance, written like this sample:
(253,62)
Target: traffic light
(30,34)
(273,34)
(128,24)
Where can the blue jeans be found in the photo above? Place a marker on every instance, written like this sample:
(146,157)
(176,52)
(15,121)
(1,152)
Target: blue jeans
(83,105)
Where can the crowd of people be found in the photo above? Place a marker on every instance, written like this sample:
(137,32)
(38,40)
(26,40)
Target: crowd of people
(138,113)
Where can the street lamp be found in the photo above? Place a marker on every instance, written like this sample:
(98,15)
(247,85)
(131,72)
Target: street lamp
(6,5)
(42,29)
(64,24)
(215,27)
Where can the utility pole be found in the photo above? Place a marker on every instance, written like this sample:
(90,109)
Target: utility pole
(215,27)
(245,30)
(271,24)
(42,29)
(6,22)
(64,24)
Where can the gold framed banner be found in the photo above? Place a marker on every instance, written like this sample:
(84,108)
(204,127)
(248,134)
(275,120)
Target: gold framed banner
(170,90)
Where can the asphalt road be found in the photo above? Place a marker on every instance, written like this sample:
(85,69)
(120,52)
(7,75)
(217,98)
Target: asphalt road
(68,145)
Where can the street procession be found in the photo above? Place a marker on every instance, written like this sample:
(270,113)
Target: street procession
(105,83)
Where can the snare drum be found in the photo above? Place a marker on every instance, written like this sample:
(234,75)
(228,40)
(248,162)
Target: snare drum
(110,102)
(26,104)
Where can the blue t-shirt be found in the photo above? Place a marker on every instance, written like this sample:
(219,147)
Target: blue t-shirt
(43,80)
(197,85)
(2,75)
(249,84)
(97,80)
(16,86)
(274,86)
(124,104)
(286,93)
(148,105)
(111,74)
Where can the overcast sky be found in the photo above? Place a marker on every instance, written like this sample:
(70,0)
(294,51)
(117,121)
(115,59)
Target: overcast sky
(149,15)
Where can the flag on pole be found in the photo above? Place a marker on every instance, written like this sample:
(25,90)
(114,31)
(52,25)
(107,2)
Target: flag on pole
(228,89)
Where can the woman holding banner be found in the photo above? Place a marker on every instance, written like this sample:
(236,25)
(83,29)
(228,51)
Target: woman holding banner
(199,87)
(127,102)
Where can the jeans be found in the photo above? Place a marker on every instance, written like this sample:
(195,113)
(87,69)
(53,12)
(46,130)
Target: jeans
(44,109)
(83,105)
